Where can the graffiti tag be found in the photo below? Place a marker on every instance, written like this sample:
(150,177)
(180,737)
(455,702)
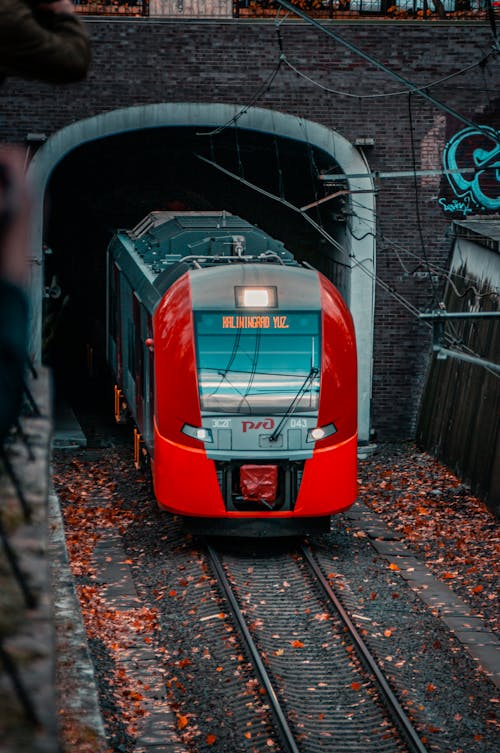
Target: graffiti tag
(471,159)
(456,206)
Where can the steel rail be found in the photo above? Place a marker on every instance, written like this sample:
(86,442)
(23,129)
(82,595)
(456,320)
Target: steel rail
(286,733)
(403,723)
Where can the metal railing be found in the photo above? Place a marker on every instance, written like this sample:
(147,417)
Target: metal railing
(112,7)
(370,8)
(338,9)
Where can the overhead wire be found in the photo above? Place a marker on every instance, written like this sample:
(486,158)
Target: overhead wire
(263,89)
(413,310)
(410,89)
(397,296)
(378,64)
(434,267)
(481,63)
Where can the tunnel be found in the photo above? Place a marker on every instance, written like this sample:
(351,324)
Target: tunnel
(90,187)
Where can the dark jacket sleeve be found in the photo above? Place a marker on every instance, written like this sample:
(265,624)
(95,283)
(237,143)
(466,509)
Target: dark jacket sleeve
(51,47)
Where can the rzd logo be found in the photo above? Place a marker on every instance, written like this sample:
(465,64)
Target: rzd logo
(267,423)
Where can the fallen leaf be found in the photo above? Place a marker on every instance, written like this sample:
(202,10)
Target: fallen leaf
(322,616)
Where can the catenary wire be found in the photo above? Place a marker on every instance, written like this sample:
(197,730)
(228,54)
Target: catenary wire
(378,64)
(398,93)
(413,310)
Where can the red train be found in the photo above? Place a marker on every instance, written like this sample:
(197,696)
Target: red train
(238,366)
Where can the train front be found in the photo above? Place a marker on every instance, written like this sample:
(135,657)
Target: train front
(255,420)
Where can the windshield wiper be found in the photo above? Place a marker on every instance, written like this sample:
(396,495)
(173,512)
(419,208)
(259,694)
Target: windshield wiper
(291,408)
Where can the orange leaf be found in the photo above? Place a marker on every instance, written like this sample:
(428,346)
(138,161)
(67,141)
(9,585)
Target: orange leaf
(431,688)
(393,566)
(210,739)
(298,644)
(448,576)
(182,721)
(388,633)
(248,735)
(356,685)
(173,592)
(322,616)
(477,589)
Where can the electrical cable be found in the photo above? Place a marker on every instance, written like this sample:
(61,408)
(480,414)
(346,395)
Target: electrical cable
(435,268)
(378,64)
(265,87)
(398,93)
(413,310)
(403,301)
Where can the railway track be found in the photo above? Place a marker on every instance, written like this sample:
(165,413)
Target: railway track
(324,688)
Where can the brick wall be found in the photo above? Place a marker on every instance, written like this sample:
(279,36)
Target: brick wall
(142,61)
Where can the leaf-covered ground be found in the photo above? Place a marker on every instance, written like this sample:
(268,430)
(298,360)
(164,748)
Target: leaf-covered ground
(439,518)
(450,529)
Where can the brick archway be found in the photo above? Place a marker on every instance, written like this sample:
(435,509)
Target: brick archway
(359,243)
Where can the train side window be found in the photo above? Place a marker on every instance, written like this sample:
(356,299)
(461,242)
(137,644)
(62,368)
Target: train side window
(131,347)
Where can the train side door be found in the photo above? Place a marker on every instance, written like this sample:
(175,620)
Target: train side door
(149,386)
(115,324)
(138,361)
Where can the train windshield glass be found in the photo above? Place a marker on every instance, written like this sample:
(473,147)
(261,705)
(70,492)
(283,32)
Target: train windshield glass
(258,362)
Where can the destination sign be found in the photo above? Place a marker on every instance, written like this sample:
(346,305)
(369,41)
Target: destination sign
(236,323)
(254,321)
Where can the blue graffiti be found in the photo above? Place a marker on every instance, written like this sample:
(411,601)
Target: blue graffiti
(472,172)
(456,206)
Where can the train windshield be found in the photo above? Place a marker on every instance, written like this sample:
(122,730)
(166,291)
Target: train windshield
(258,362)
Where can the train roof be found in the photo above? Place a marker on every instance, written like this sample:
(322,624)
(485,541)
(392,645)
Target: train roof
(204,238)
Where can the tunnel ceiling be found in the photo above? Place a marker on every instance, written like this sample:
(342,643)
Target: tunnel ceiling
(115,181)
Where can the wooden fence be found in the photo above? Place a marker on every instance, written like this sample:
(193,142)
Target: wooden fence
(460,414)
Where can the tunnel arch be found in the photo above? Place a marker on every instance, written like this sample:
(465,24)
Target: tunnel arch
(359,242)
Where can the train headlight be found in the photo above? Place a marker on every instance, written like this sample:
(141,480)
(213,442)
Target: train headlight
(321,432)
(256,297)
(197,432)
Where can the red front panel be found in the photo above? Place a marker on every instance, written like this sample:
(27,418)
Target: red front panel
(339,388)
(185,479)
(177,400)
(329,483)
